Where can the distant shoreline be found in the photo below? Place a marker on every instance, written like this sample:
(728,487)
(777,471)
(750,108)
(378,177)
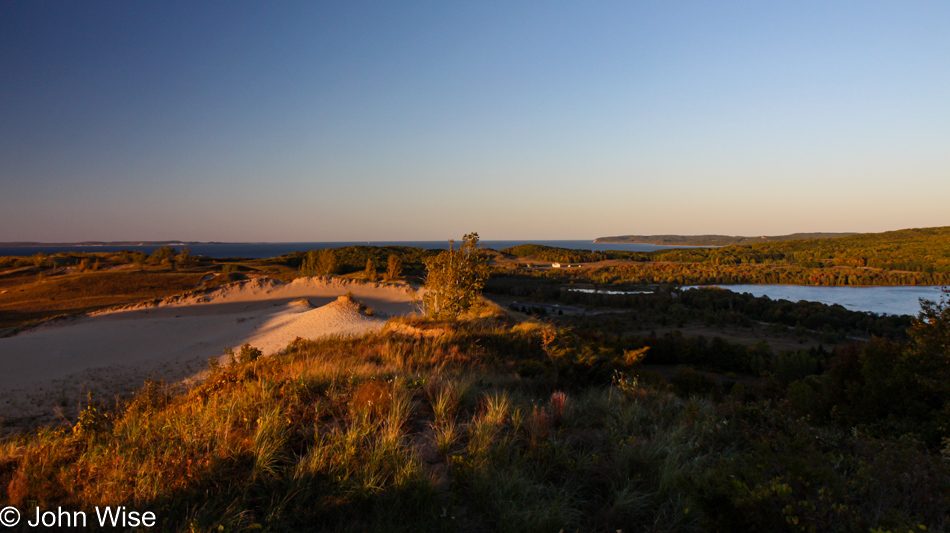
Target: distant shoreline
(31,244)
(275,249)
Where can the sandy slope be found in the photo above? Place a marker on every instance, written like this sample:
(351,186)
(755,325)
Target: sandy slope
(50,367)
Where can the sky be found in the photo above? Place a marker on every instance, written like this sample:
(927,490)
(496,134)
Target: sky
(338,121)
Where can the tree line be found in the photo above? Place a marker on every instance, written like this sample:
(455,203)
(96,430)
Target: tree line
(923,252)
(736,274)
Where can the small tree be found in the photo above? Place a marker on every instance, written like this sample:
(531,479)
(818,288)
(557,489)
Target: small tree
(308,266)
(454,279)
(370,272)
(163,255)
(39,259)
(319,263)
(394,267)
(326,264)
(138,259)
(184,257)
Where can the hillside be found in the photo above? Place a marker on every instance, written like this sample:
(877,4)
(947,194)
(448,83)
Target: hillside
(904,257)
(495,425)
(712,240)
(915,250)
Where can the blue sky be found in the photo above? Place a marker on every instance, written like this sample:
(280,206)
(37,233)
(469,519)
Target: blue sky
(318,121)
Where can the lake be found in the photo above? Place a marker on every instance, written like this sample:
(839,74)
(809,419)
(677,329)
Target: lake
(904,300)
(274,249)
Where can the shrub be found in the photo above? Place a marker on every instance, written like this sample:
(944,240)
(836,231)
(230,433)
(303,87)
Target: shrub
(249,354)
(454,279)
(370,272)
(688,381)
(393,268)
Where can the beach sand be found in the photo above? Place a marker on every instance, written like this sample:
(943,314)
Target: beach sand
(47,370)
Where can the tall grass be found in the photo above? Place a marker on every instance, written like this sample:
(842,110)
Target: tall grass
(473,430)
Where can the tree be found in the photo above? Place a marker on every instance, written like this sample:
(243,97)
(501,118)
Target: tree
(931,330)
(163,255)
(929,352)
(184,257)
(138,259)
(327,263)
(394,267)
(454,279)
(899,388)
(370,272)
(308,266)
(319,263)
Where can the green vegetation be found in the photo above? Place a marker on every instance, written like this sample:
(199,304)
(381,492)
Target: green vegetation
(699,410)
(709,306)
(906,257)
(351,259)
(454,279)
(320,263)
(560,255)
(39,296)
(918,250)
(713,240)
(370,272)
(42,286)
(687,273)
(491,425)
(163,256)
(393,267)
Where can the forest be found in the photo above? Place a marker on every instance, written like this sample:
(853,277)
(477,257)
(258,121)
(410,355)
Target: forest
(905,257)
(712,240)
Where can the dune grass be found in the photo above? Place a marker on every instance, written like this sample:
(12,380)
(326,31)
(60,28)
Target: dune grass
(28,300)
(44,287)
(489,426)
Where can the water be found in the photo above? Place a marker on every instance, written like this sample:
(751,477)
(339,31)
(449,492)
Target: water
(604,291)
(889,300)
(904,300)
(274,249)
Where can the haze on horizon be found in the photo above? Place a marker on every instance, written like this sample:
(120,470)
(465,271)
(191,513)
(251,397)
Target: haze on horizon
(305,121)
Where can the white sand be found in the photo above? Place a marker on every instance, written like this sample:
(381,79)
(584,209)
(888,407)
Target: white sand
(49,368)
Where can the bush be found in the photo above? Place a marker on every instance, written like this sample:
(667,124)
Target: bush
(249,354)
(687,382)
(454,279)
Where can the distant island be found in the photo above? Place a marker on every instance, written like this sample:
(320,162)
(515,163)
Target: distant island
(713,240)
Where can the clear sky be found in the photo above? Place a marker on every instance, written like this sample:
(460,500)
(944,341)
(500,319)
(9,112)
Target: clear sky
(320,121)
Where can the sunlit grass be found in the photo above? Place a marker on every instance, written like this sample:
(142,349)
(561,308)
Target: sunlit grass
(398,432)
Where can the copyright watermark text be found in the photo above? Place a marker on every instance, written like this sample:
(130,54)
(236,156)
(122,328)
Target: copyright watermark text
(9,516)
(60,518)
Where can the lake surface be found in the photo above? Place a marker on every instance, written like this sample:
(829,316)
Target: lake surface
(274,249)
(904,300)
(605,291)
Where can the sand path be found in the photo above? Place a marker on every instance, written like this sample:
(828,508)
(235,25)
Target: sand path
(44,372)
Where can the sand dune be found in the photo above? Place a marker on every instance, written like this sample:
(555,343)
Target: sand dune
(48,368)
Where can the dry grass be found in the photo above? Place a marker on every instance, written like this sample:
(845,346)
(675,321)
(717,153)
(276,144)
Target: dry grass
(30,294)
(28,299)
(390,432)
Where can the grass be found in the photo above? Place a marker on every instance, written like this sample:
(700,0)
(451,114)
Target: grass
(485,427)
(30,294)
(31,300)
